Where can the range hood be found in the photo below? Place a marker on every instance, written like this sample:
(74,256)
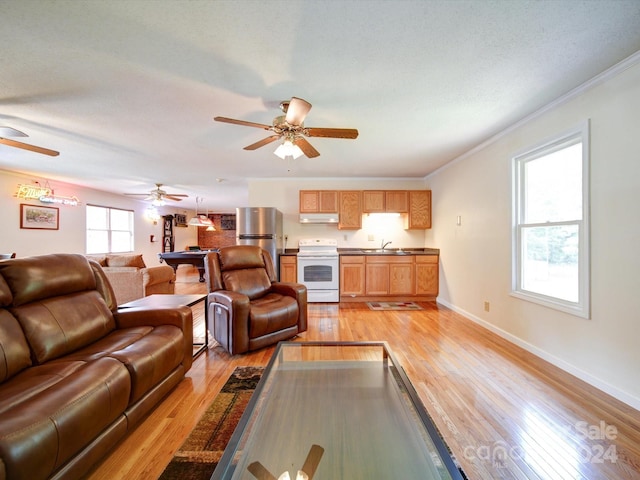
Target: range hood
(319,218)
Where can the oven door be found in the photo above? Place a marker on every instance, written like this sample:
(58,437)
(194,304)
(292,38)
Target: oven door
(318,272)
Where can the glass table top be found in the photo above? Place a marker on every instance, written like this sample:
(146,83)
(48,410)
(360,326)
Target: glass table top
(335,410)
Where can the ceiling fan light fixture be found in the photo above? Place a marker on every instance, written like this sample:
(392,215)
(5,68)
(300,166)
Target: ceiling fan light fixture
(158,202)
(288,149)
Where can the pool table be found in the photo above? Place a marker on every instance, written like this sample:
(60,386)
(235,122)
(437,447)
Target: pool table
(191,257)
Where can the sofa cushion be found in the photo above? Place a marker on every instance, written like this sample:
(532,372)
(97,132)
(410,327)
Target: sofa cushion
(43,432)
(57,326)
(152,358)
(125,261)
(240,258)
(14,351)
(33,382)
(35,278)
(272,313)
(252,282)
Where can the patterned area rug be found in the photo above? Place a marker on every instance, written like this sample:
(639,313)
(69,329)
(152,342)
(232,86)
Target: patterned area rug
(394,306)
(200,453)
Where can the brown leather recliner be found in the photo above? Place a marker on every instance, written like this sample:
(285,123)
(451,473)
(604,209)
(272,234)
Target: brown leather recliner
(248,308)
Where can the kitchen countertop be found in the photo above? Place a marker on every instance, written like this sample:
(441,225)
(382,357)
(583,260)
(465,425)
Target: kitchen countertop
(373,251)
(389,251)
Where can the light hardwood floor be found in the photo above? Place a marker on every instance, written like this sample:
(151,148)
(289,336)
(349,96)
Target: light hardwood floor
(504,412)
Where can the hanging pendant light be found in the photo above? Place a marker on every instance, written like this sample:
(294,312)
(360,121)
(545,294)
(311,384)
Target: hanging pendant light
(201,220)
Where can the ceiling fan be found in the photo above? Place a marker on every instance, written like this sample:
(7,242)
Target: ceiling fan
(158,196)
(290,127)
(12,132)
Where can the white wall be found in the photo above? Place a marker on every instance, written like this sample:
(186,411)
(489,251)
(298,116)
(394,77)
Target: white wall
(70,237)
(283,193)
(475,257)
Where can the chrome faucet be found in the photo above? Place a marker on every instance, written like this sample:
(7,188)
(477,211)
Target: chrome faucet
(384,244)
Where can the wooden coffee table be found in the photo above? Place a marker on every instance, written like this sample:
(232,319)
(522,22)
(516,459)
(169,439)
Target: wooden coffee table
(171,300)
(341,410)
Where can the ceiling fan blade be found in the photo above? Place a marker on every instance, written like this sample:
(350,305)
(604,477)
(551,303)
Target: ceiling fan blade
(176,198)
(242,122)
(313,459)
(306,147)
(297,111)
(32,148)
(262,143)
(260,472)
(11,132)
(332,132)
(137,194)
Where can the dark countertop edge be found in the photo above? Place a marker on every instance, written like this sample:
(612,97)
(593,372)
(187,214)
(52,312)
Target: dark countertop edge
(358,251)
(407,251)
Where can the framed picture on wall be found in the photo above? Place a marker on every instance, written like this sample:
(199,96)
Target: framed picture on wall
(228,222)
(38,217)
(180,220)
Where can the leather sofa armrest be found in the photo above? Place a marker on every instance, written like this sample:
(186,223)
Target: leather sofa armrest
(238,307)
(181,317)
(299,292)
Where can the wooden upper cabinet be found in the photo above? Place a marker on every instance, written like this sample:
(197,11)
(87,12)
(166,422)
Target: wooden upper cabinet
(350,210)
(380,201)
(318,201)
(373,201)
(419,216)
(415,205)
(396,201)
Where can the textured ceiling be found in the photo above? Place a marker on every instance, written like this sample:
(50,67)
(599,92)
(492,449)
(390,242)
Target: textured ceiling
(127,90)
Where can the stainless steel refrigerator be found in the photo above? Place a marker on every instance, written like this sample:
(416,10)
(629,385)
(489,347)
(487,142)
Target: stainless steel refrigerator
(261,226)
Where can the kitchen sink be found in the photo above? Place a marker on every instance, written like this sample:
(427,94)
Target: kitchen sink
(386,251)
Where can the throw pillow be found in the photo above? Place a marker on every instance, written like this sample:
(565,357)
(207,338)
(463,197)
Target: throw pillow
(125,261)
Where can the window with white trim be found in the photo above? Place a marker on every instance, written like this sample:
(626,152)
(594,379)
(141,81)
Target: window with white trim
(551,223)
(109,230)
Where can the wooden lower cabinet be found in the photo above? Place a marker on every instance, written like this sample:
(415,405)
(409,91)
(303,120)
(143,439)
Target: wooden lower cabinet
(427,281)
(377,278)
(352,276)
(401,279)
(388,277)
(288,268)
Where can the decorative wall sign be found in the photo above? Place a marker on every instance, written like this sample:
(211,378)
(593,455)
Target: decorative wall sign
(228,222)
(37,217)
(44,194)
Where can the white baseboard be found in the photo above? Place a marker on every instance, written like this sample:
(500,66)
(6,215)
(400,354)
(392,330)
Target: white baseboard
(558,362)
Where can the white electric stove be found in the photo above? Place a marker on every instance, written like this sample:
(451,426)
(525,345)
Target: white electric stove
(318,269)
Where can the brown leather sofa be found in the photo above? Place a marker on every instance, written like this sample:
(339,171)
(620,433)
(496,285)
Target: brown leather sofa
(76,374)
(248,308)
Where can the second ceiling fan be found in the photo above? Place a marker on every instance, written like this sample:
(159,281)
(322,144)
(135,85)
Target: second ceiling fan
(290,127)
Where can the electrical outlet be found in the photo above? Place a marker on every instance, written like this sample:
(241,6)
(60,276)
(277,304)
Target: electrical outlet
(487,306)
(371,238)
(345,237)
